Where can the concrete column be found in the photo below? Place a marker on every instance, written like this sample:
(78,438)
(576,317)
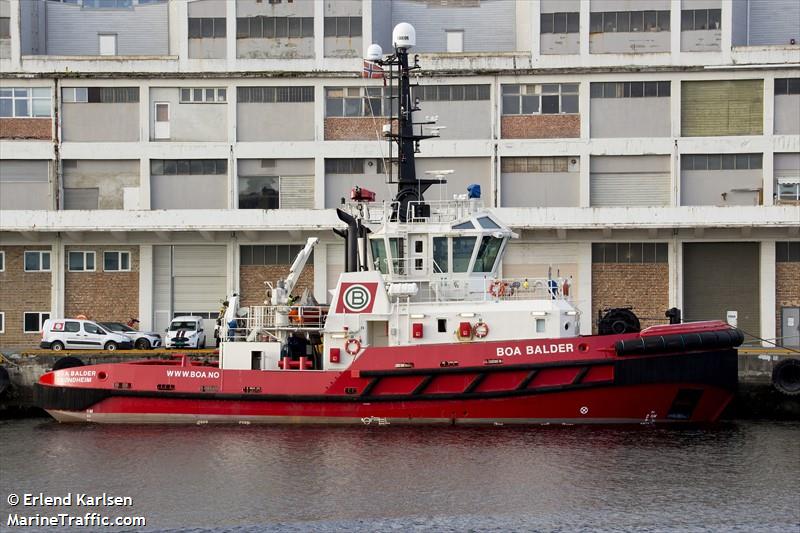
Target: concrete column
(146,287)
(57,260)
(366,26)
(321,272)
(319,183)
(767,165)
(675,250)
(232,282)
(584,178)
(16,36)
(181,25)
(535,21)
(230,37)
(584,27)
(675,31)
(319,33)
(584,304)
(727,32)
(584,106)
(144,184)
(144,139)
(767,288)
(673,265)
(319,111)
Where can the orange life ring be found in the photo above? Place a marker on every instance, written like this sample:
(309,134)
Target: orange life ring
(497,288)
(352,346)
(480,330)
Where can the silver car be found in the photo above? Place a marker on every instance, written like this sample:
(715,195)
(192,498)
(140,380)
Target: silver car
(141,340)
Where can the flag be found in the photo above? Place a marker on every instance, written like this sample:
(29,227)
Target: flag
(372,70)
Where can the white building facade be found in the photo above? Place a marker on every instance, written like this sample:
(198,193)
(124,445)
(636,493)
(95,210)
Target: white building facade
(157,156)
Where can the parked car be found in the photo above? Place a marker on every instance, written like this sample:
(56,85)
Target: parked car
(67,333)
(185,332)
(142,340)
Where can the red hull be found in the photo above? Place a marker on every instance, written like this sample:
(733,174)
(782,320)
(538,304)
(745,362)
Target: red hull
(580,380)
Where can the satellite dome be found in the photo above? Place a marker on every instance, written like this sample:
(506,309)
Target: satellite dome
(404,36)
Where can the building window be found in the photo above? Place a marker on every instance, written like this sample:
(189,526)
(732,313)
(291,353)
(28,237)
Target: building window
(450,93)
(80,261)
(628,21)
(2,322)
(788,190)
(347,166)
(629,252)
(274,95)
(701,19)
(16,102)
(787,252)
(206,28)
(5,27)
(37,261)
(274,27)
(2,261)
(536,164)
(100,95)
(117,261)
(188,167)
(33,321)
(342,26)
(357,102)
(269,254)
(787,86)
(199,95)
(106,4)
(630,89)
(259,192)
(721,161)
(560,23)
(544,99)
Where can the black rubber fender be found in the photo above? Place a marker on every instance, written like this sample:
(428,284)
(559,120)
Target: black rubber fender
(786,377)
(656,344)
(67,362)
(5,380)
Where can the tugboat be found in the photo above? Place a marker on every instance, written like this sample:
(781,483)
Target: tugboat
(421,329)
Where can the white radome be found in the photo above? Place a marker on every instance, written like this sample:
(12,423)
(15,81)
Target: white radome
(404,36)
(374,52)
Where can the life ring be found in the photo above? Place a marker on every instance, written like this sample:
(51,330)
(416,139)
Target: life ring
(352,346)
(480,330)
(497,288)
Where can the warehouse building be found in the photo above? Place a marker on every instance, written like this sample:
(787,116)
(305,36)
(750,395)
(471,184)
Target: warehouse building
(157,156)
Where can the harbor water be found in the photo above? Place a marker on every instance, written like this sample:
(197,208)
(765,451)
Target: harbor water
(726,477)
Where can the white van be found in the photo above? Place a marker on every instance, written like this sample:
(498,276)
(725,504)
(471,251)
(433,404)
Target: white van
(76,334)
(185,332)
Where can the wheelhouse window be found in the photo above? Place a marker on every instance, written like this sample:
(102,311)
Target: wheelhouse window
(462,252)
(487,253)
(441,255)
(379,255)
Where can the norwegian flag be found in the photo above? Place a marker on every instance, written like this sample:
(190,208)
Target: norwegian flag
(372,70)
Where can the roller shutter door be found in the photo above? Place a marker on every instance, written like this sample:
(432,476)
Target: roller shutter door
(297,192)
(335,265)
(713,108)
(718,277)
(199,278)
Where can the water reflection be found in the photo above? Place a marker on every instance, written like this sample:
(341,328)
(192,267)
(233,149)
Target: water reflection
(740,475)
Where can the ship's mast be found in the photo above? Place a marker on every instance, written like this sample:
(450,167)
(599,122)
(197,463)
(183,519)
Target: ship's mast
(409,187)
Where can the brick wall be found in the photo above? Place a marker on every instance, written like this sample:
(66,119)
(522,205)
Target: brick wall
(540,126)
(21,291)
(26,128)
(644,286)
(787,289)
(252,278)
(354,128)
(100,295)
